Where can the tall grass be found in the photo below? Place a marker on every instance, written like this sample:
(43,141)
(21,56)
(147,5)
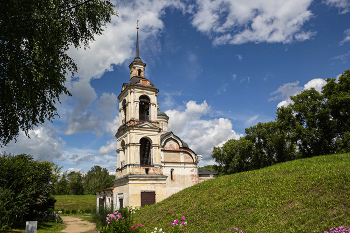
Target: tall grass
(307,195)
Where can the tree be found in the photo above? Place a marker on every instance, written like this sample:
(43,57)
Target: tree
(337,95)
(234,156)
(25,188)
(75,183)
(97,179)
(310,122)
(62,185)
(271,144)
(34,39)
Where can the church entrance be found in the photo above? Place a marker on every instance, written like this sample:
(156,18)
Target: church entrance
(148,198)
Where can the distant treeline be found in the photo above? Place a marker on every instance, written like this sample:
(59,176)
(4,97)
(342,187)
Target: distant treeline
(313,124)
(75,183)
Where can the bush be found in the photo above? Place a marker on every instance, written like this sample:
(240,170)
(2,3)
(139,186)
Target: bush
(87,211)
(74,211)
(99,217)
(25,189)
(67,211)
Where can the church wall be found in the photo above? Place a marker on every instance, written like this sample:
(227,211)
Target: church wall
(184,175)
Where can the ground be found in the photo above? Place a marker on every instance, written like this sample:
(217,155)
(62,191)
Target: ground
(77,225)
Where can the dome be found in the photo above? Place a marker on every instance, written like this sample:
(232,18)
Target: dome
(161,113)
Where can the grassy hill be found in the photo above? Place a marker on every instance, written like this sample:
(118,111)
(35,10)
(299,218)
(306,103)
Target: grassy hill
(75,202)
(307,195)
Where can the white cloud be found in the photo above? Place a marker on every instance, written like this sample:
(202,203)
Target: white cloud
(251,120)
(112,126)
(347,37)
(316,83)
(288,89)
(342,57)
(343,5)
(111,146)
(240,21)
(291,89)
(201,135)
(222,89)
(239,56)
(43,144)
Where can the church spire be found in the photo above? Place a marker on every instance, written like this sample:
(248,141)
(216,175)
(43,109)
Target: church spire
(137,40)
(137,67)
(137,57)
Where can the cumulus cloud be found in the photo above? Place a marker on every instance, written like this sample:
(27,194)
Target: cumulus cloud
(43,144)
(201,135)
(112,126)
(238,22)
(86,159)
(111,146)
(291,89)
(343,5)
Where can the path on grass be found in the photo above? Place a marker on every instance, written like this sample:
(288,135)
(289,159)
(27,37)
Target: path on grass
(77,225)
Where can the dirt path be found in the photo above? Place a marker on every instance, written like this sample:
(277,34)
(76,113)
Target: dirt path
(77,225)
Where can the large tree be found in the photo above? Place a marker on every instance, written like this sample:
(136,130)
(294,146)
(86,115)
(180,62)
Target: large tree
(96,179)
(25,188)
(34,38)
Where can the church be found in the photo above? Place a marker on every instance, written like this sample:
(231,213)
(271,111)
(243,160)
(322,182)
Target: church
(152,163)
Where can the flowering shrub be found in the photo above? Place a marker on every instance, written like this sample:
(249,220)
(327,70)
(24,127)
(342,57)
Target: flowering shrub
(121,222)
(178,226)
(236,230)
(338,229)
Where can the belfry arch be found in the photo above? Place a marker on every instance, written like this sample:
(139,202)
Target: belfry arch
(124,111)
(145,152)
(144,108)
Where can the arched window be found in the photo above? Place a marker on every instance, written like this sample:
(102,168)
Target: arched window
(144,108)
(139,72)
(124,111)
(172,174)
(122,154)
(145,152)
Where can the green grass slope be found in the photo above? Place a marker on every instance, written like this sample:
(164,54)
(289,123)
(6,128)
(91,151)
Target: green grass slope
(75,202)
(307,195)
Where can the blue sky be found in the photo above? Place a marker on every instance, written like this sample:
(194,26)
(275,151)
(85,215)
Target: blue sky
(221,66)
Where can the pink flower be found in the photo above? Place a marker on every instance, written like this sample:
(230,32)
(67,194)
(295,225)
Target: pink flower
(132,227)
(182,229)
(137,225)
(183,218)
(236,229)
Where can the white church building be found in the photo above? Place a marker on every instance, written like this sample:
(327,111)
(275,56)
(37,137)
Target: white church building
(152,163)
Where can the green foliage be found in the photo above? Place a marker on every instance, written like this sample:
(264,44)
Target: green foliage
(208,167)
(34,39)
(75,184)
(121,221)
(25,188)
(304,195)
(233,156)
(313,124)
(62,185)
(97,179)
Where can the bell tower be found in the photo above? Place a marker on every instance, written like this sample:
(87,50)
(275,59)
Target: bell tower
(139,167)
